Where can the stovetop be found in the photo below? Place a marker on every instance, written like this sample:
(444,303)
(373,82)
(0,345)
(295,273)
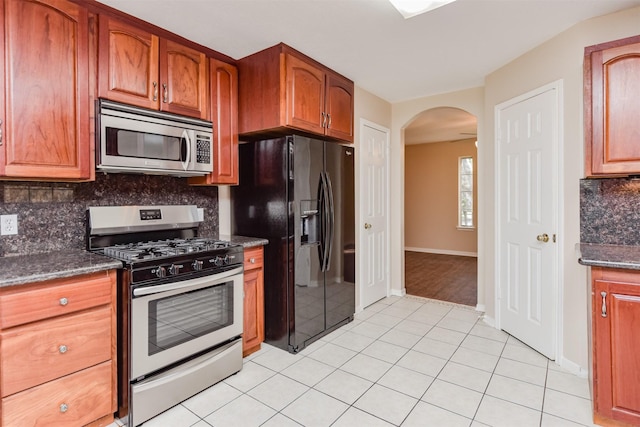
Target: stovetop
(164,248)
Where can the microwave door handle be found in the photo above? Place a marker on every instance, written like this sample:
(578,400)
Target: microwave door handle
(187,159)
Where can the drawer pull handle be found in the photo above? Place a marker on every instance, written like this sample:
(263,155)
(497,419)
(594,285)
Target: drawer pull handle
(63,349)
(604,303)
(252,260)
(64,301)
(64,408)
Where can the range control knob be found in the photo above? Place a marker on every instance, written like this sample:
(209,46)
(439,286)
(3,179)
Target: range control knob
(175,269)
(218,261)
(197,265)
(160,272)
(226,260)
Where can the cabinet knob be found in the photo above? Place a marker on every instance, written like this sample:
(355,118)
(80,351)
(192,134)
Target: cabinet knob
(252,260)
(64,301)
(63,349)
(64,408)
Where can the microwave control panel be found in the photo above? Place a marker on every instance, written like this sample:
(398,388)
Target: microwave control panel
(203,149)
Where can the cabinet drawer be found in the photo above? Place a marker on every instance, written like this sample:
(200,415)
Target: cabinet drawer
(54,298)
(40,352)
(253,258)
(86,394)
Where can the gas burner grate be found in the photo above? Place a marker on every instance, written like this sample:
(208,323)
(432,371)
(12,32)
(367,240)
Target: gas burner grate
(163,248)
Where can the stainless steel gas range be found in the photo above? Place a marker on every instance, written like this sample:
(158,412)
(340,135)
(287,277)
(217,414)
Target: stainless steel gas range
(179,304)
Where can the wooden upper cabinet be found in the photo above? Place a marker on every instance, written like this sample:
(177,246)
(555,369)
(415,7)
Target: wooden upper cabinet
(139,68)
(305,95)
(612,108)
(616,369)
(282,90)
(224,114)
(45,88)
(129,64)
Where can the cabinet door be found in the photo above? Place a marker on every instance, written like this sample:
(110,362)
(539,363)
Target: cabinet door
(184,78)
(224,114)
(305,95)
(615,84)
(616,320)
(45,111)
(339,107)
(253,327)
(128,59)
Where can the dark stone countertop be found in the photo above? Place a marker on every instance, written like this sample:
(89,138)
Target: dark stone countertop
(23,269)
(247,242)
(611,256)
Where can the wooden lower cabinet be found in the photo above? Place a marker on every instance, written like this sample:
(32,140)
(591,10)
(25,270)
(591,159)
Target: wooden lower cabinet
(58,352)
(616,346)
(253,322)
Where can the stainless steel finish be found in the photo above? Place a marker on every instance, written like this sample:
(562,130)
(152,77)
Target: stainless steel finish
(141,362)
(150,397)
(165,93)
(126,219)
(64,408)
(62,349)
(155,91)
(134,153)
(324,119)
(64,301)
(329,124)
(604,303)
(187,285)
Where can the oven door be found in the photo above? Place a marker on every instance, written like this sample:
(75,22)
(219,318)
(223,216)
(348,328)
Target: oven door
(173,321)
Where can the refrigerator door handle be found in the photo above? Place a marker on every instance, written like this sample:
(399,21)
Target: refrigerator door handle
(321,223)
(326,222)
(331,221)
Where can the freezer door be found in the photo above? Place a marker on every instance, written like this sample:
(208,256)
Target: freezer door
(340,276)
(308,289)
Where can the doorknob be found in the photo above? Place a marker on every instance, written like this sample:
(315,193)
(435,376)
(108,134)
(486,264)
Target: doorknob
(543,237)
(367,225)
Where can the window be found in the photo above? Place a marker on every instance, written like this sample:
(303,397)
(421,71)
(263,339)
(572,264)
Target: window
(465,192)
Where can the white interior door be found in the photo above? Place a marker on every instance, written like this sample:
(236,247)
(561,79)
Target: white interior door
(374,208)
(527,140)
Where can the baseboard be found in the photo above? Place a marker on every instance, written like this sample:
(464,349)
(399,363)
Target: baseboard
(441,251)
(573,367)
(398,292)
(490,321)
(481,308)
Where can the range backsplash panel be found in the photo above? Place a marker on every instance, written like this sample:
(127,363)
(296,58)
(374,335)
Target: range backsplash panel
(52,216)
(610,211)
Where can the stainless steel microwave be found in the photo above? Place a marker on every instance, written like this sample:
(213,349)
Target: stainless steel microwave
(137,140)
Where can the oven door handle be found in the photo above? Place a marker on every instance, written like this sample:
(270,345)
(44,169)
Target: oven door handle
(193,283)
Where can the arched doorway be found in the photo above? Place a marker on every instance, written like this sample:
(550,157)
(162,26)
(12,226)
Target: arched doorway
(440,205)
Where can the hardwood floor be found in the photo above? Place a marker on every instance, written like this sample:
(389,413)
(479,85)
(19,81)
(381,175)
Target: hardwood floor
(442,277)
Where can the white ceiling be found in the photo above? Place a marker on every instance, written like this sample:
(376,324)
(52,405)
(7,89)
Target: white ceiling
(368,41)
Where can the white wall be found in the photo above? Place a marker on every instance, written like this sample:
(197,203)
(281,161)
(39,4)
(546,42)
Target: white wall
(558,58)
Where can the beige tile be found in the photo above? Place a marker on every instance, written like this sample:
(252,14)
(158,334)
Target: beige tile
(436,348)
(400,338)
(567,406)
(427,415)
(406,381)
(308,371)
(553,421)
(315,409)
(456,325)
(371,330)
(446,335)
(500,413)
(475,359)
(465,376)
(568,383)
(353,341)
(524,354)
(366,367)
(207,401)
(277,359)
(278,391)
(178,416)
(243,411)
(520,392)
(484,345)
(278,420)
(332,355)
(423,363)
(250,376)
(486,331)
(413,327)
(385,403)
(385,351)
(397,311)
(521,371)
(454,398)
(344,386)
(355,417)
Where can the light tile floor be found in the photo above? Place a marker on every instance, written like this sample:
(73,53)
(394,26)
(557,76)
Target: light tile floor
(404,361)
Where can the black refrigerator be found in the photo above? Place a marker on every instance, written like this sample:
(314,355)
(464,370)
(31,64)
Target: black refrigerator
(298,193)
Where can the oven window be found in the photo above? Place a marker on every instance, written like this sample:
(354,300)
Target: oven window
(180,318)
(128,143)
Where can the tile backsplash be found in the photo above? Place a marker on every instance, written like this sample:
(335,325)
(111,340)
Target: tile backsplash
(610,211)
(52,216)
